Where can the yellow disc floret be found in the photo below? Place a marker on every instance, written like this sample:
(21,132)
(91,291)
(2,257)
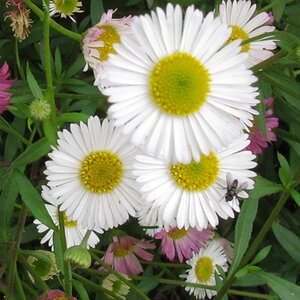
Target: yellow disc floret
(108,37)
(69,223)
(121,252)
(196,176)
(239,33)
(101,172)
(179,84)
(66,6)
(204,269)
(177,234)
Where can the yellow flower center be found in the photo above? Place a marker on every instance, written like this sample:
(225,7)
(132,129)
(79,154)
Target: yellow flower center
(68,223)
(121,252)
(179,84)
(239,33)
(101,172)
(66,6)
(177,234)
(204,269)
(109,37)
(196,176)
(61,298)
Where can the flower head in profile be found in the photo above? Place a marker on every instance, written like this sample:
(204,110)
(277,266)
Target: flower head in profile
(65,8)
(174,93)
(20,19)
(74,232)
(56,295)
(203,269)
(256,137)
(182,242)
(99,41)
(122,254)
(193,195)
(112,283)
(240,16)
(90,174)
(5,84)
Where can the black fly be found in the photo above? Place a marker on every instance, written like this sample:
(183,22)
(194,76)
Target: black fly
(233,188)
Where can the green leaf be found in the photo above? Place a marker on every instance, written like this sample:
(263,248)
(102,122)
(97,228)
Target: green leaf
(33,85)
(288,240)
(97,10)
(7,202)
(75,67)
(285,174)
(261,255)
(80,289)
(242,272)
(58,251)
(286,290)
(278,9)
(32,199)
(148,283)
(57,63)
(264,187)
(250,279)
(243,231)
(296,196)
(72,117)
(32,153)
(50,132)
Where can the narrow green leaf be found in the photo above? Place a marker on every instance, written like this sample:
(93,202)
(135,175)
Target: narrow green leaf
(261,255)
(75,67)
(32,199)
(50,132)
(284,172)
(296,196)
(80,289)
(58,251)
(96,11)
(72,117)
(7,202)
(264,187)
(243,231)
(286,290)
(33,85)
(57,63)
(32,153)
(288,136)
(289,241)
(278,9)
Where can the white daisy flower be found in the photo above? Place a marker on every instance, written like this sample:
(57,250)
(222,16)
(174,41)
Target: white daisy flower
(194,194)
(204,268)
(74,232)
(90,174)
(99,41)
(240,16)
(65,8)
(182,92)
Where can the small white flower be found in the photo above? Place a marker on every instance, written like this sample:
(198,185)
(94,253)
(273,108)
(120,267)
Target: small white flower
(182,92)
(99,41)
(65,8)
(204,268)
(73,231)
(90,174)
(240,16)
(194,194)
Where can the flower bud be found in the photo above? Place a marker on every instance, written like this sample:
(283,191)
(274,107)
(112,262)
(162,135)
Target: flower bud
(78,256)
(40,110)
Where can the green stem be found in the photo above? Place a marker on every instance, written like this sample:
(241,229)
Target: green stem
(70,34)
(67,266)
(122,278)
(96,287)
(85,239)
(49,95)
(251,295)
(20,288)
(13,253)
(256,243)
(20,69)
(164,265)
(7,128)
